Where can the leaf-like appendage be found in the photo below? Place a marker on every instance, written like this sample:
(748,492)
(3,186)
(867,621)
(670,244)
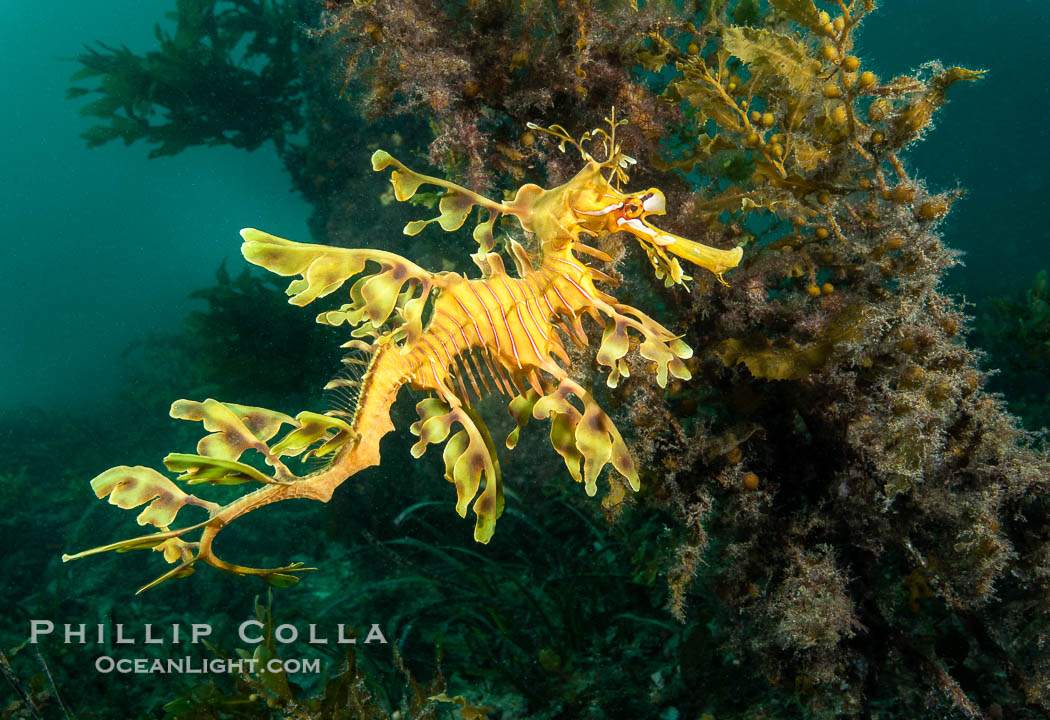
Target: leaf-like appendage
(483,233)
(435,421)
(454,448)
(313,428)
(490,264)
(144,542)
(476,461)
(380,292)
(563,440)
(405,183)
(599,442)
(666,267)
(325,269)
(455,205)
(129,487)
(657,345)
(234,428)
(175,550)
(454,208)
(261,422)
(467,468)
(590,437)
(666,359)
(520,409)
(564,418)
(399,284)
(197,469)
(412,317)
(615,344)
(184,569)
(469,456)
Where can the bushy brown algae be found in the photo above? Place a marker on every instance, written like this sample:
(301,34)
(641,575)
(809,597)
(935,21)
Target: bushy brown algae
(479,71)
(872,451)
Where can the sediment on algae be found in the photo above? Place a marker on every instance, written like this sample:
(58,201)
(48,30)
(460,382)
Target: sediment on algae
(870,523)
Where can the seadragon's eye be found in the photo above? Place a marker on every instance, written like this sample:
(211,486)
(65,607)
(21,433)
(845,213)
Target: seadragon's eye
(632,208)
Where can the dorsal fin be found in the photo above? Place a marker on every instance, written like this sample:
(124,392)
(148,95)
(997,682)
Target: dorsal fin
(343,392)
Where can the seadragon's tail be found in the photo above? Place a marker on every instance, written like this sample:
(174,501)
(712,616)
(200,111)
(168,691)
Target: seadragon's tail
(395,294)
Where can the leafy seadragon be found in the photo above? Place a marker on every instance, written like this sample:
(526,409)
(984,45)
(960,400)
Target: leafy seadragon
(499,333)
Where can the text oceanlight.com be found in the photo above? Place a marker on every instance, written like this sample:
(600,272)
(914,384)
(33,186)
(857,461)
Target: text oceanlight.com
(193,666)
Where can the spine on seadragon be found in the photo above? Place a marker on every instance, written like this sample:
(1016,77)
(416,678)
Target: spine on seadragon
(375,394)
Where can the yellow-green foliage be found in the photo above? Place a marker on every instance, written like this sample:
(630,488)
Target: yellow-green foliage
(787,360)
(811,138)
(467,711)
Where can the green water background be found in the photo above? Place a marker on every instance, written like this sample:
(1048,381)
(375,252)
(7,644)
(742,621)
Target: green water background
(102,244)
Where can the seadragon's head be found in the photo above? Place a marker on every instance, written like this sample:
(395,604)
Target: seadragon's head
(595,204)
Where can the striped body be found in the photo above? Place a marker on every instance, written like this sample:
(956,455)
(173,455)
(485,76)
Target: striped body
(504,317)
(487,335)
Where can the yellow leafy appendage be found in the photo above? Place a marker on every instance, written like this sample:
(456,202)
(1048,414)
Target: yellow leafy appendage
(499,333)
